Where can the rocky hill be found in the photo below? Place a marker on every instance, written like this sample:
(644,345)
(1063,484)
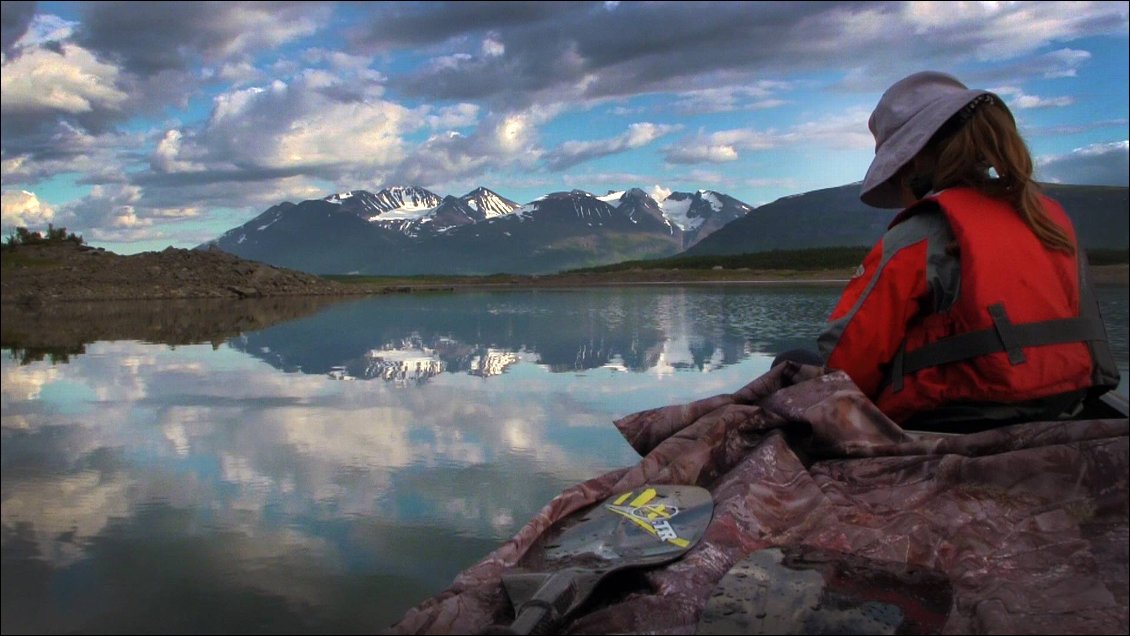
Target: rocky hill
(835,217)
(66,270)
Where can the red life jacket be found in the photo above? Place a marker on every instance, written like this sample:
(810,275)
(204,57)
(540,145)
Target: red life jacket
(1015,332)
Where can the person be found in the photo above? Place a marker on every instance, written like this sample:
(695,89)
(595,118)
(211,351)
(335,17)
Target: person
(974,309)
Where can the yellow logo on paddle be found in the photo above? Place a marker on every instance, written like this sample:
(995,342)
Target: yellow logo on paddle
(649,513)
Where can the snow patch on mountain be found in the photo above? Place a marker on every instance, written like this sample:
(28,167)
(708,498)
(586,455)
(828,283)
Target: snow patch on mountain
(676,212)
(407,213)
(613,198)
(711,198)
(489,203)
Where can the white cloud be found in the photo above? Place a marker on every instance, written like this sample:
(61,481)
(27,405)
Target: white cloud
(500,140)
(1064,62)
(339,60)
(843,131)
(20,208)
(1017,98)
(165,157)
(493,48)
(46,28)
(450,62)
(639,134)
(457,116)
(999,30)
(239,73)
(296,125)
(110,213)
(759,96)
(710,153)
(721,146)
(70,81)
(659,193)
(1033,101)
(513,132)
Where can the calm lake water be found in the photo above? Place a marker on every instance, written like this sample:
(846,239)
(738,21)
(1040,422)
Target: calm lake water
(324,475)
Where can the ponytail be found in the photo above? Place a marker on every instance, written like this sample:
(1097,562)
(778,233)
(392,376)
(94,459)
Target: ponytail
(988,138)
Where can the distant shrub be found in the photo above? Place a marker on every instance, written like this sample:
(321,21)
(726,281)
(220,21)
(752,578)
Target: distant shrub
(23,236)
(804,260)
(1108,257)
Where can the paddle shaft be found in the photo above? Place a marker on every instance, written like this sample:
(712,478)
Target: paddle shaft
(547,605)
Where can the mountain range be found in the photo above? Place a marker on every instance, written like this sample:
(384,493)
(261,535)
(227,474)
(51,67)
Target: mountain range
(409,230)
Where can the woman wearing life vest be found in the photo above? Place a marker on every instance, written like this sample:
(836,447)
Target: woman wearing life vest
(974,309)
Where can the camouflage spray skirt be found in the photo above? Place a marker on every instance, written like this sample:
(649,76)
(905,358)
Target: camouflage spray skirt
(1026,524)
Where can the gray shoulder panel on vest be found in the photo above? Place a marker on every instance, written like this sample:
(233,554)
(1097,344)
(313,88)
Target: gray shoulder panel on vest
(943,270)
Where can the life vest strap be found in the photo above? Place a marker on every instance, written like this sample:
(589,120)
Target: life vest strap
(1004,335)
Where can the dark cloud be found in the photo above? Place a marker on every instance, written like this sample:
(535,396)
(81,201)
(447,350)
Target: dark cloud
(416,24)
(625,50)
(34,155)
(150,37)
(1103,164)
(590,51)
(14,20)
(228,177)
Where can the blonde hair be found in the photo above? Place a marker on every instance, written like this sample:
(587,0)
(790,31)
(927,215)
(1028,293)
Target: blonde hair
(967,146)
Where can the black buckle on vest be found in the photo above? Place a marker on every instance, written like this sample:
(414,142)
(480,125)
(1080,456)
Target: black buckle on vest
(897,368)
(1006,331)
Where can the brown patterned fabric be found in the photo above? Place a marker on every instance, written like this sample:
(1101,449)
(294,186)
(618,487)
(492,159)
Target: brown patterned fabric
(1028,522)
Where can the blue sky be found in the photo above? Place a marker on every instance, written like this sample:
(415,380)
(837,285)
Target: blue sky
(144,125)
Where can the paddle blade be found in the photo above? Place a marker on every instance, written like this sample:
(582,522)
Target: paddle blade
(643,527)
(646,526)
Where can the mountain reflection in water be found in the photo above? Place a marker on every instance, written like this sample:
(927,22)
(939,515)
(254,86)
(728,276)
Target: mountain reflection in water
(412,338)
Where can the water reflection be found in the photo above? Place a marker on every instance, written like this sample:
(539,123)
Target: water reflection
(206,488)
(410,339)
(195,485)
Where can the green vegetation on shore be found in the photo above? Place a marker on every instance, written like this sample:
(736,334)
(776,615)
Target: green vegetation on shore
(1108,257)
(824,258)
(778,265)
(23,236)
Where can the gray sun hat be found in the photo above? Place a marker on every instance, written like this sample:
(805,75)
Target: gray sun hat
(907,116)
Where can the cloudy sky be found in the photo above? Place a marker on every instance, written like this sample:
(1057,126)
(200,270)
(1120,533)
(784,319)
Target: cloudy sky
(143,125)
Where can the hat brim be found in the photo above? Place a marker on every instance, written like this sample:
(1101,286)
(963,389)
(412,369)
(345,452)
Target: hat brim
(906,142)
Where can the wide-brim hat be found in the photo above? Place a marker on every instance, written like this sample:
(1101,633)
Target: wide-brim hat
(907,116)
